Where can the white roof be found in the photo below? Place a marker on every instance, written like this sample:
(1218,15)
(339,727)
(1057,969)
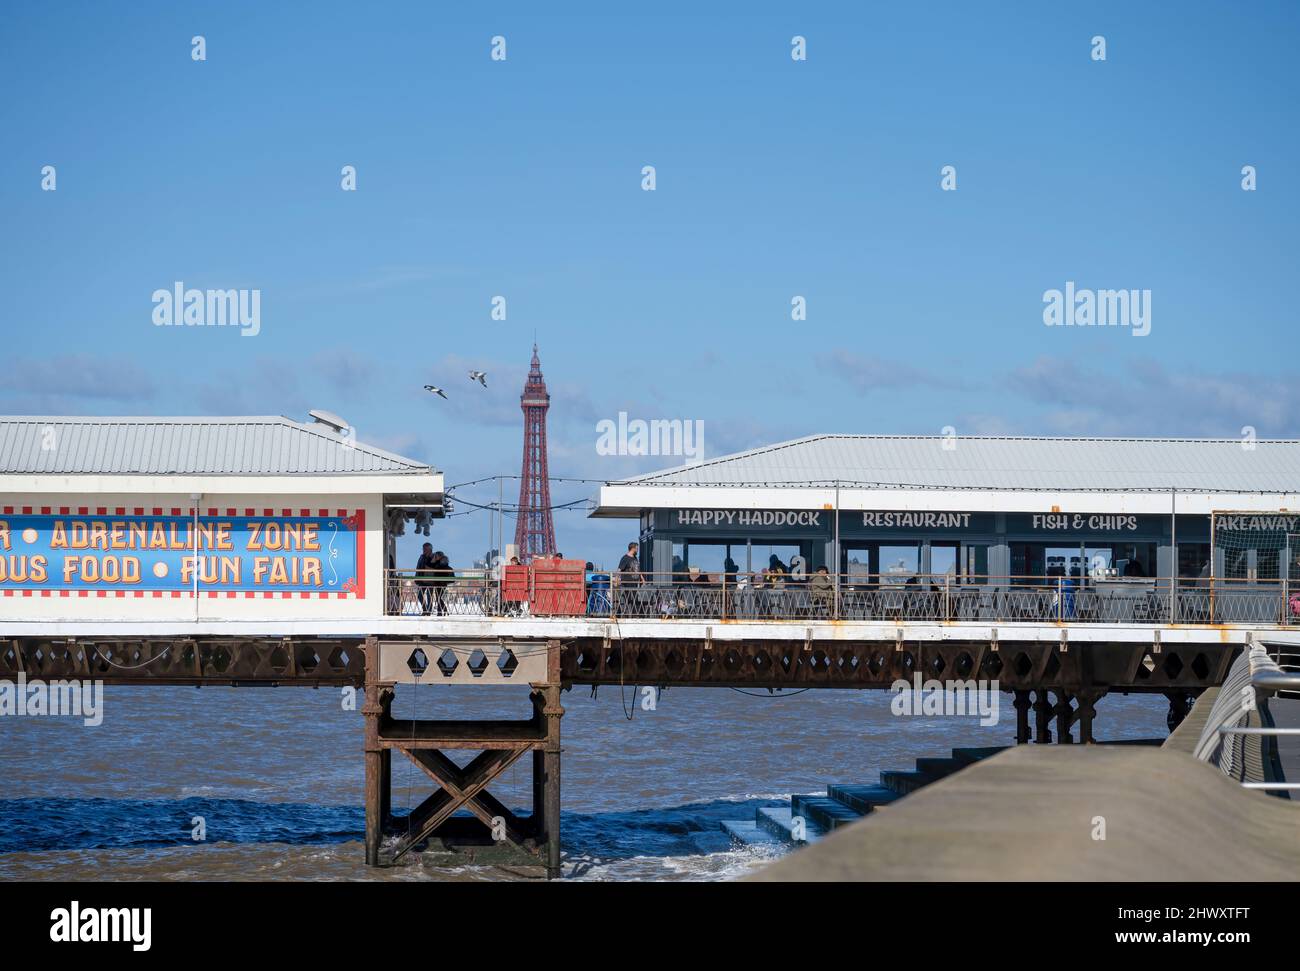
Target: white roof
(241,446)
(999,474)
(933,462)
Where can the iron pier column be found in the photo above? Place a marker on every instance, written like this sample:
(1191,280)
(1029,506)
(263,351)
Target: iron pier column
(1023,704)
(385,765)
(552,711)
(1086,712)
(372,710)
(1064,718)
(1043,718)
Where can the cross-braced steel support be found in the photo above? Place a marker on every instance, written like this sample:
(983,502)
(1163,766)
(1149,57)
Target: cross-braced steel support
(500,745)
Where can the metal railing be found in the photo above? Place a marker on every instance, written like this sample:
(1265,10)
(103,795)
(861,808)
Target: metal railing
(560,592)
(1240,734)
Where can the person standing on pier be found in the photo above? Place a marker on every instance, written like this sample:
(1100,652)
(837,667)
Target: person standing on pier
(424,568)
(629,569)
(443,575)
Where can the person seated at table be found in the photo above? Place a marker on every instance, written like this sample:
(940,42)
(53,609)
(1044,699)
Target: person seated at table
(681,597)
(758,580)
(1133,568)
(703,579)
(821,588)
(776,577)
(729,571)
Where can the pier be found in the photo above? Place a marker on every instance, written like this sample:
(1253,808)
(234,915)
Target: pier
(1054,599)
(1054,676)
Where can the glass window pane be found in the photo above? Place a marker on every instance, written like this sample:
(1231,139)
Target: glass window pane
(943,561)
(898,563)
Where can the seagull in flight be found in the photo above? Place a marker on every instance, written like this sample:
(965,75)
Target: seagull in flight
(437,391)
(479,376)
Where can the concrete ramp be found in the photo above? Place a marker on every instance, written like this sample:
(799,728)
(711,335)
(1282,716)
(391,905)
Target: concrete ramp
(1030,812)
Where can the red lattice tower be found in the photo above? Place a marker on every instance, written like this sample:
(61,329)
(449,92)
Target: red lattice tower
(535,530)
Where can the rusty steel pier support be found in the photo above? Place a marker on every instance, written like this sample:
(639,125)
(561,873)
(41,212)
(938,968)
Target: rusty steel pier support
(1086,712)
(500,745)
(1064,718)
(548,812)
(1022,704)
(1043,709)
(372,710)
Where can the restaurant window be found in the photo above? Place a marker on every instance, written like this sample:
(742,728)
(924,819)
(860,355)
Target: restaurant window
(1029,561)
(943,561)
(1268,564)
(1193,558)
(976,560)
(858,566)
(715,557)
(787,556)
(899,563)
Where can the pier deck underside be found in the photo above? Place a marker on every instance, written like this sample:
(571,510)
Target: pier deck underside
(776,655)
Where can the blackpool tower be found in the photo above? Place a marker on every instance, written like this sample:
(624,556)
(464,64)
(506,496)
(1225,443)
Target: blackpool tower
(535,531)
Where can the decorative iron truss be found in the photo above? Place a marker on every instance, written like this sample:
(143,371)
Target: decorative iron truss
(226,660)
(794,664)
(1015,665)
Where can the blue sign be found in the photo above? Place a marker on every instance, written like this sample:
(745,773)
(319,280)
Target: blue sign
(290,554)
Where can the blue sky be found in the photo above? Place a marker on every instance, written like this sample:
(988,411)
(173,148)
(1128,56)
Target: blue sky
(775,178)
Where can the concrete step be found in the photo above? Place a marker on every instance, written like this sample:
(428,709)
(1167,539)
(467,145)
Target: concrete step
(712,840)
(746,832)
(938,767)
(862,798)
(969,756)
(826,812)
(905,782)
(1152,742)
(779,821)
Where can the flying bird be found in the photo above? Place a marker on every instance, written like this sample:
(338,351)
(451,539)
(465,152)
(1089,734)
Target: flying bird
(479,376)
(437,391)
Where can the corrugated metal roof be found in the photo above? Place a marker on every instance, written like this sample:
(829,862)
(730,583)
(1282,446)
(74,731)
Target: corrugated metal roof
(881,461)
(271,445)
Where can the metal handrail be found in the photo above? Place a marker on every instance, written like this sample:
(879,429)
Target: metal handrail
(1259,672)
(918,597)
(564,590)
